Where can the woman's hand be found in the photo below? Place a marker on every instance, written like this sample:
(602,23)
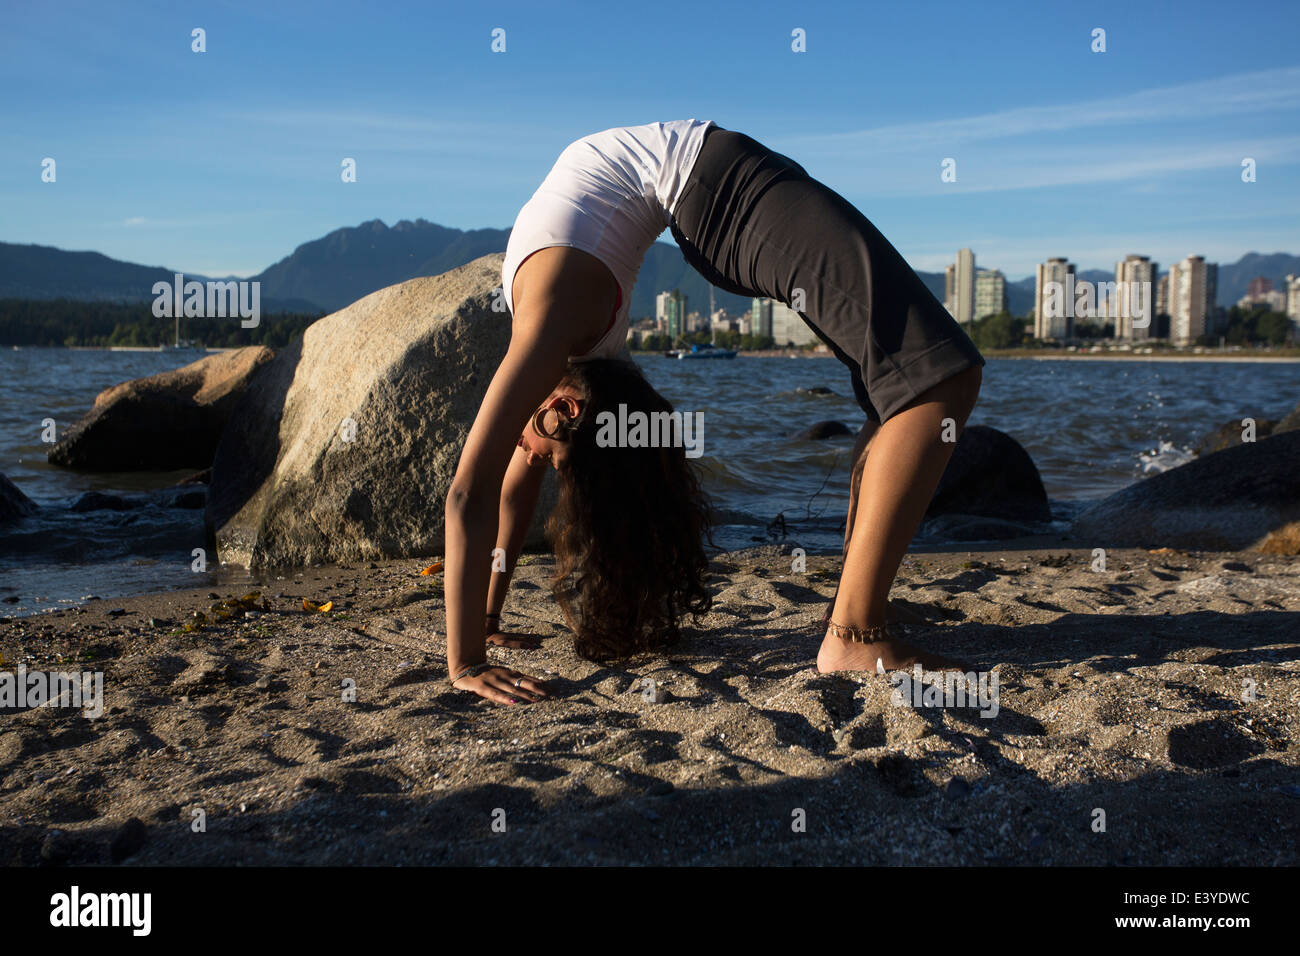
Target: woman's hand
(522,642)
(501,685)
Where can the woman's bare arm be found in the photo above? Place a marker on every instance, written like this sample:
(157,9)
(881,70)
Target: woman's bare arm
(530,370)
(563,298)
(519,493)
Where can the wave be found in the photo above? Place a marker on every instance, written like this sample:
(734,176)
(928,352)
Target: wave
(1165,457)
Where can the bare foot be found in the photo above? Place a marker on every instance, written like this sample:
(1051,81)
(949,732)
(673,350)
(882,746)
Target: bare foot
(840,655)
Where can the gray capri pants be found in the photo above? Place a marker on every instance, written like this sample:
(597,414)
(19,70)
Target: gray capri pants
(754,222)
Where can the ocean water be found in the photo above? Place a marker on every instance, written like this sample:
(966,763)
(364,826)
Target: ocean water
(1091,427)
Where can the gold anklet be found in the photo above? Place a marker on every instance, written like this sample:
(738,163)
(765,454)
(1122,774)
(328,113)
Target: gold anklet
(857,635)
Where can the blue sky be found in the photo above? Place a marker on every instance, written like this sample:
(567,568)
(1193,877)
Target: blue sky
(223,162)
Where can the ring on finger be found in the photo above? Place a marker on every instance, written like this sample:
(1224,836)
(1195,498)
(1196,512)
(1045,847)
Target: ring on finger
(518,682)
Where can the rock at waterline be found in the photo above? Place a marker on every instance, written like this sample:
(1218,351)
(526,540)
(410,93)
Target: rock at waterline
(1236,499)
(13,503)
(991,475)
(823,430)
(170,420)
(1230,433)
(1284,540)
(344,447)
(1290,423)
(959,527)
(99,501)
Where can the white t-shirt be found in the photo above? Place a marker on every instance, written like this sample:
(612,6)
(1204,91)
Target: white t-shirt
(609,194)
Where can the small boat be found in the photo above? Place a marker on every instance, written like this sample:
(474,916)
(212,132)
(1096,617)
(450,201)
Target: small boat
(704,351)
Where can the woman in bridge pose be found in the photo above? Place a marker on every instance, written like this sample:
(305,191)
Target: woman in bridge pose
(628,528)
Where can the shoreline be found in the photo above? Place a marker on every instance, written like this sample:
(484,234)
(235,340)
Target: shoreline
(1044,355)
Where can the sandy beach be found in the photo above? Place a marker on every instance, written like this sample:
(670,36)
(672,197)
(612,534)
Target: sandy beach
(1159,697)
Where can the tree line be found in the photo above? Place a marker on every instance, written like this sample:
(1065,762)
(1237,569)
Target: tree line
(65,322)
(1254,326)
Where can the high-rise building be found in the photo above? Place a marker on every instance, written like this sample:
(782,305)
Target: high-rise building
(1193,284)
(1135,312)
(789,328)
(1261,292)
(1272,299)
(959,287)
(719,321)
(760,317)
(1258,287)
(1162,295)
(670,308)
(990,293)
(1293,298)
(1054,326)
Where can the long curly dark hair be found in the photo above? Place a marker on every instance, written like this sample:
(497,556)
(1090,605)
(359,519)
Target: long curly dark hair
(629,528)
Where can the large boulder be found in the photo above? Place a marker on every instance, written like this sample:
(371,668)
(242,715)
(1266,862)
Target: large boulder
(991,475)
(1290,423)
(1231,500)
(1231,433)
(819,431)
(345,446)
(13,503)
(166,421)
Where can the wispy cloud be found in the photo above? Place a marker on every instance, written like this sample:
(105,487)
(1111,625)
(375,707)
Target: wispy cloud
(1256,92)
(981,169)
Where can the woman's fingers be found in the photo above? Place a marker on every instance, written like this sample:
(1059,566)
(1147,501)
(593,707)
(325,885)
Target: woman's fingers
(491,693)
(504,686)
(534,687)
(518,686)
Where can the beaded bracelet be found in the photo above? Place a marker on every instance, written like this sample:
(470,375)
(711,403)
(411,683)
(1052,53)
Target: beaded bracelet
(473,670)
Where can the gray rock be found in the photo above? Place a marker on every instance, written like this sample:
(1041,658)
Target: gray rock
(401,374)
(1228,435)
(190,499)
(1228,501)
(976,528)
(98,501)
(13,503)
(823,430)
(128,841)
(990,474)
(62,847)
(170,420)
(1290,423)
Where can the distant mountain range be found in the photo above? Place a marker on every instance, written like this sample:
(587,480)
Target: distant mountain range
(329,273)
